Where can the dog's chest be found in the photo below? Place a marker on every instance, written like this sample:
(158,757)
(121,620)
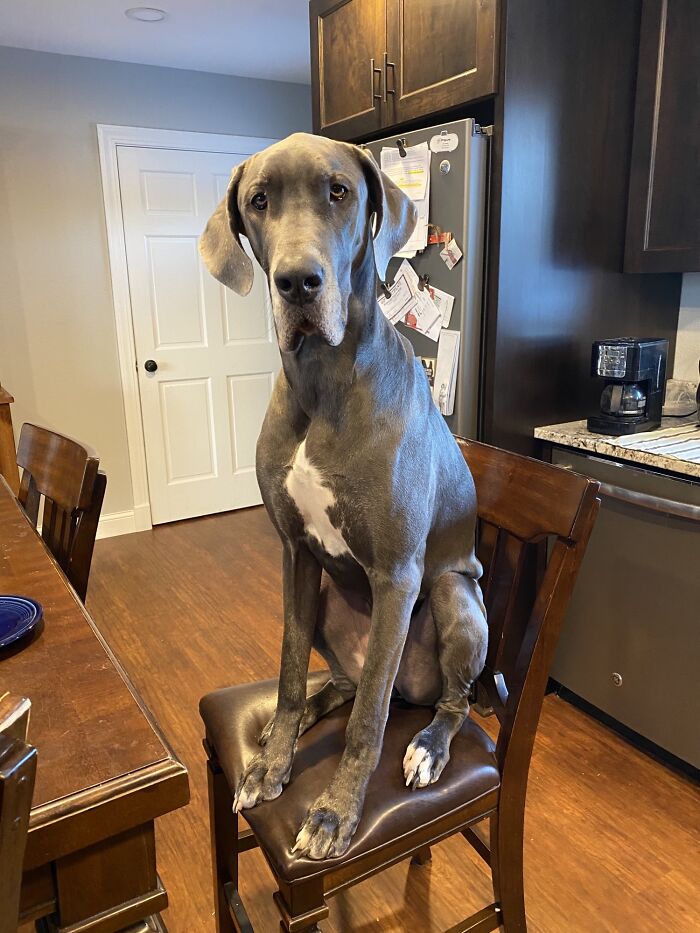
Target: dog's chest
(313,498)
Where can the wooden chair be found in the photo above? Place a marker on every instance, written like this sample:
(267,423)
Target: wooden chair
(523,503)
(17,772)
(65,472)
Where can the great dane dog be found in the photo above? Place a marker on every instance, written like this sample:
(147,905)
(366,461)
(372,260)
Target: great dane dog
(360,476)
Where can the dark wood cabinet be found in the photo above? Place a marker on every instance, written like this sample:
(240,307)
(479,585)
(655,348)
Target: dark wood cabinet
(348,45)
(440,54)
(379,63)
(556,79)
(663,217)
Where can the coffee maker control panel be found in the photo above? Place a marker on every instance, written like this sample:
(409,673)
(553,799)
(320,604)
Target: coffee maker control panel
(612,361)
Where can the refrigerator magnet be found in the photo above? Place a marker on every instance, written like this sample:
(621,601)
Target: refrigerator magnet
(444,142)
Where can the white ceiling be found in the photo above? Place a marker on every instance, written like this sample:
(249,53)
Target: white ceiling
(254,38)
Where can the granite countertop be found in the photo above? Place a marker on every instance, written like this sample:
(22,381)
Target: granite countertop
(575,434)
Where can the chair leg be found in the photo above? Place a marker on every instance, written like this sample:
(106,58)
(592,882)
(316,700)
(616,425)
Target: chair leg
(507,827)
(223,825)
(301,907)
(422,856)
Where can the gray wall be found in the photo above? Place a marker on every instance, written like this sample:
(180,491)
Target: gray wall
(58,351)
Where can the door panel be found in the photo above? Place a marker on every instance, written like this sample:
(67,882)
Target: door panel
(176,292)
(248,399)
(441,54)
(663,219)
(170,192)
(189,454)
(216,352)
(452,51)
(347,38)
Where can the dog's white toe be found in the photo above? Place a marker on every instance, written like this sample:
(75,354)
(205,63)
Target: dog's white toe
(418,766)
(245,799)
(303,838)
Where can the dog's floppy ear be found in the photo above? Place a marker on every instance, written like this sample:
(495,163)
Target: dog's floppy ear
(220,244)
(395,213)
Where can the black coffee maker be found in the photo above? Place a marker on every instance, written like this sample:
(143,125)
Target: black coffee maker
(635,374)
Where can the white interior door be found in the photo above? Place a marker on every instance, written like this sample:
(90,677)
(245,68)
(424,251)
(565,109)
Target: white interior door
(216,354)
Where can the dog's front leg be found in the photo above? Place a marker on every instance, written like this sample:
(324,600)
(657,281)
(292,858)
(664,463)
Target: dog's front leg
(333,818)
(269,770)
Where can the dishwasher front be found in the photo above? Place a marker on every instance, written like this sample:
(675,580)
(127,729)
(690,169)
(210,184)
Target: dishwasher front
(630,643)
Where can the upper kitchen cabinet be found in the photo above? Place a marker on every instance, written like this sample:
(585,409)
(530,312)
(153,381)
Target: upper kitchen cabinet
(379,63)
(663,216)
(348,42)
(441,53)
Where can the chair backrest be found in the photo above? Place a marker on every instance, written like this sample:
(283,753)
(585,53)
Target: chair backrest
(17,772)
(535,520)
(65,473)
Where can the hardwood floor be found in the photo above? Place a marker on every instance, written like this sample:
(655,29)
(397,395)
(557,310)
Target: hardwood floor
(612,837)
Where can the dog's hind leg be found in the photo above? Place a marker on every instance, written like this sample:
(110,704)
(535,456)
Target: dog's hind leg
(318,705)
(460,622)
(333,694)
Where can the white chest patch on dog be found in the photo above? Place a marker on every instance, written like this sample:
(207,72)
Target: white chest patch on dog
(313,499)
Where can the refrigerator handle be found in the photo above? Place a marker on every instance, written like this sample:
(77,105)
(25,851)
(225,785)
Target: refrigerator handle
(372,72)
(387,65)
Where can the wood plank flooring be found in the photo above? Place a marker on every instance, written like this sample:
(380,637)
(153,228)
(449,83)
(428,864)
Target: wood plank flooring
(612,837)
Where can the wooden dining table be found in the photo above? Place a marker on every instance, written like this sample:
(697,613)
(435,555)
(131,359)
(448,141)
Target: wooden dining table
(105,772)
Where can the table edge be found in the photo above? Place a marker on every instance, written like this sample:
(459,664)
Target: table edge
(150,792)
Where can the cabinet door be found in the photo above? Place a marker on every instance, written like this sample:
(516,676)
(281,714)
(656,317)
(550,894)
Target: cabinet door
(348,39)
(663,216)
(441,54)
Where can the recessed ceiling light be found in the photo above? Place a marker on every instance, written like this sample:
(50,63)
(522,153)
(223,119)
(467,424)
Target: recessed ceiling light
(145,14)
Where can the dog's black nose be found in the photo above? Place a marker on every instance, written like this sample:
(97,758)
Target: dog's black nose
(300,284)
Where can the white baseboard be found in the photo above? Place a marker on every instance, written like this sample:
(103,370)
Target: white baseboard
(125,523)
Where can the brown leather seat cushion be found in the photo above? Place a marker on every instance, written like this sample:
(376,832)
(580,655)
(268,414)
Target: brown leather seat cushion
(234,718)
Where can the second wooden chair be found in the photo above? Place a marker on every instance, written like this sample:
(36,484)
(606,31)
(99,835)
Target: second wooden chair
(65,472)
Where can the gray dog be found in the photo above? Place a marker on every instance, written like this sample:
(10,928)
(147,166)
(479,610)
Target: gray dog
(360,476)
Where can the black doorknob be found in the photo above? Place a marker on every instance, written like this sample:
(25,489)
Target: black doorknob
(150,366)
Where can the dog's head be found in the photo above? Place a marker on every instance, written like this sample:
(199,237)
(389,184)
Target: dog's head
(308,205)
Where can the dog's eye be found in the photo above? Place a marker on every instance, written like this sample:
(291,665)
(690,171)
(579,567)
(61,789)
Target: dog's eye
(259,201)
(338,192)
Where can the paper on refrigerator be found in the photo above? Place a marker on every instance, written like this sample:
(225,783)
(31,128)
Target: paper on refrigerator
(445,383)
(444,303)
(411,305)
(412,174)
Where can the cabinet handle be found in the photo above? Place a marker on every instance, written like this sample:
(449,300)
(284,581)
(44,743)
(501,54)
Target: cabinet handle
(653,503)
(372,71)
(387,65)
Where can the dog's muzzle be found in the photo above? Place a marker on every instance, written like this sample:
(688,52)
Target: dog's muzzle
(306,304)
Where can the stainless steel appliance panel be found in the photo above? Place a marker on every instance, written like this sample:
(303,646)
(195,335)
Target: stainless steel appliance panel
(630,644)
(457,205)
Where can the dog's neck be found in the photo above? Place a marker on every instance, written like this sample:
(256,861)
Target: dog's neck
(320,376)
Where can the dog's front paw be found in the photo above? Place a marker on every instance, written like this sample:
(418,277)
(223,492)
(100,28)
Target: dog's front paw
(327,830)
(262,780)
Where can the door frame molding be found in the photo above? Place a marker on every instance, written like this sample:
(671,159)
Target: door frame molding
(109,137)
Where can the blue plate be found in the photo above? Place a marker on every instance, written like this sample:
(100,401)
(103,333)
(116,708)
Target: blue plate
(18,615)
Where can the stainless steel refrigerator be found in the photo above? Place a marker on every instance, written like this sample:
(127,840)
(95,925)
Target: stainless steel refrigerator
(457,205)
